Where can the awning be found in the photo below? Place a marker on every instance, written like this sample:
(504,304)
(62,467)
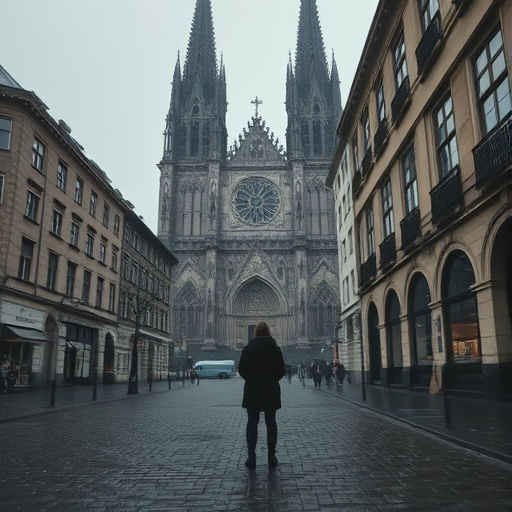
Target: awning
(77,345)
(20,334)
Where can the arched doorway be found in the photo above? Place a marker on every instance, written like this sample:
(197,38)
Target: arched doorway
(498,378)
(374,344)
(420,328)
(394,339)
(463,349)
(108,360)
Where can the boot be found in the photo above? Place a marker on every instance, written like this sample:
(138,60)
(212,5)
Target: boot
(272,459)
(251,461)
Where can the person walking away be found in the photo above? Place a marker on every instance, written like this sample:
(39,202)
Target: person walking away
(3,374)
(262,367)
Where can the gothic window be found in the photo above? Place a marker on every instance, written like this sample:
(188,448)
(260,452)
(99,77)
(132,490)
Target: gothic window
(323,312)
(317,138)
(189,312)
(206,140)
(194,139)
(256,201)
(192,207)
(420,321)
(318,220)
(306,148)
(183,140)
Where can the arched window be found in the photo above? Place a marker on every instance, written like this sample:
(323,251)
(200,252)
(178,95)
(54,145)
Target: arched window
(194,139)
(317,138)
(460,310)
(304,137)
(189,312)
(420,321)
(393,331)
(324,312)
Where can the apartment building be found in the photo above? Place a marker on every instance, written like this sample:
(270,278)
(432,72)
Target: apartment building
(144,301)
(61,244)
(428,127)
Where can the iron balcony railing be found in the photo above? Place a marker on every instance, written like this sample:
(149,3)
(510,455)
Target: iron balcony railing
(387,251)
(380,136)
(493,155)
(411,228)
(366,164)
(427,48)
(400,100)
(368,270)
(446,197)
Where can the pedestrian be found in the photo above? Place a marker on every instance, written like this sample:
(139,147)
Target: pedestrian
(262,367)
(3,373)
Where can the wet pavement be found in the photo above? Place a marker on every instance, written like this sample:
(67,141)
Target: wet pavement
(183,450)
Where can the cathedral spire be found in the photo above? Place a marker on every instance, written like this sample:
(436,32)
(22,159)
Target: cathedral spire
(201,61)
(310,59)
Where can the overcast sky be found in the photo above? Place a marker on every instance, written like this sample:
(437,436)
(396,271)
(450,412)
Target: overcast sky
(105,67)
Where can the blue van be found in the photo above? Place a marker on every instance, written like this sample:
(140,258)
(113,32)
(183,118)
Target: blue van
(215,369)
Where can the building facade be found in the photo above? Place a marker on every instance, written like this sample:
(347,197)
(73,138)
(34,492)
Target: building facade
(61,244)
(252,226)
(428,121)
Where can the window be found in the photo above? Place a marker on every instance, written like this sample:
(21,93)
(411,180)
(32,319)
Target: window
(75,231)
(57,223)
(112,298)
(93,203)
(124,304)
(400,63)
(117,222)
(113,263)
(370,233)
(381,105)
(410,181)
(366,130)
(126,266)
(134,277)
(99,292)
(344,251)
(428,10)
(62,174)
(86,286)
(355,154)
(103,250)
(70,279)
(32,206)
(79,190)
(51,279)
(387,209)
(446,142)
(350,241)
(492,83)
(89,244)
(5,132)
(38,151)
(26,255)
(2,182)
(106,213)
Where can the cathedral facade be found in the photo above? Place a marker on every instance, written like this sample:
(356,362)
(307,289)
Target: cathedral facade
(253,225)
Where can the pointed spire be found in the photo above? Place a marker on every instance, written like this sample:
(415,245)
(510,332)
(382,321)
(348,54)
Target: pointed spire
(201,60)
(310,59)
(335,90)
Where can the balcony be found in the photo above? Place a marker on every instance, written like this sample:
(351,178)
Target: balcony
(401,100)
(356,184)
(411,228)
(387,251)
(462,5)
(446,197)
(493,155)
(380,136)
(429,44)
(368,270)
(366,164)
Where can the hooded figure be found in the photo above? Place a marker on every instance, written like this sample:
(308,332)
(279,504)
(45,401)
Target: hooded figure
(262,367)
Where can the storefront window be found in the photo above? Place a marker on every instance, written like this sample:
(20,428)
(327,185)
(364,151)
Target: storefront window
(460,310)
(393,330)
(421,320)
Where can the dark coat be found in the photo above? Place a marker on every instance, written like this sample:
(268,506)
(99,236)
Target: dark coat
(262,367)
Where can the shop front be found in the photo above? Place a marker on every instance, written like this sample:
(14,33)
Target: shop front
(78,355)
(24,346)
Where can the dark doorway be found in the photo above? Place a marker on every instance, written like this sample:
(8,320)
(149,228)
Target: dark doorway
(108,361)
(374,343)
(250,332)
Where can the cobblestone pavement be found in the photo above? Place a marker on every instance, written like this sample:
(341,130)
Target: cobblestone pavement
(184,450)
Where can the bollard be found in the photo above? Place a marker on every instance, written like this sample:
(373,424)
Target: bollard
(53,392)
(150,383)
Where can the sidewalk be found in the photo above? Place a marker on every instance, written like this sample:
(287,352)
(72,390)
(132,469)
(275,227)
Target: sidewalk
(484,426)
(480,425)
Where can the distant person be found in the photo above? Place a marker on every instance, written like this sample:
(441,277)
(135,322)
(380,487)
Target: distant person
(262,367)
(3,373)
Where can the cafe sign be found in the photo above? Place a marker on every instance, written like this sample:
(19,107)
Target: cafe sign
(22,316)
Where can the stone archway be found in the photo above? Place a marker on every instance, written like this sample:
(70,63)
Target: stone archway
(256,300)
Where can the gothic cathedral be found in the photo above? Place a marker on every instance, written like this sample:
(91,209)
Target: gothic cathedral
(252,226)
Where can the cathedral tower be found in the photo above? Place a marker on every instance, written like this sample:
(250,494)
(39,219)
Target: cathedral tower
(253,227)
